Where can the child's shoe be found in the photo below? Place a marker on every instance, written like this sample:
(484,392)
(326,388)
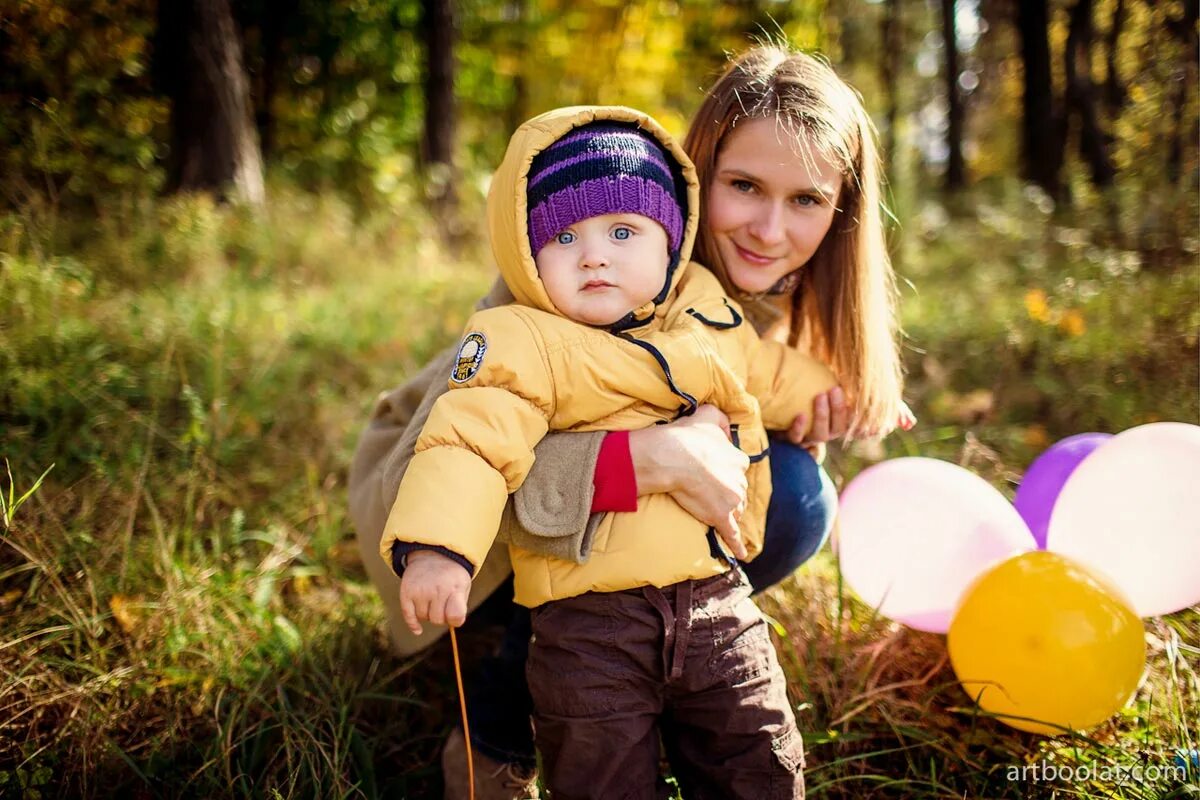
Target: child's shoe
(494,780)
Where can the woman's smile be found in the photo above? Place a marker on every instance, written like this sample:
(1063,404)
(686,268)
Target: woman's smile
(753,257)
(771,202)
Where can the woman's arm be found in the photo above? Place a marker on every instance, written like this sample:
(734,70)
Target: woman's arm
(690,459)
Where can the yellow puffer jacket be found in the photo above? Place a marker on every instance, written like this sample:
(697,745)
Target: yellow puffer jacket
(524,369)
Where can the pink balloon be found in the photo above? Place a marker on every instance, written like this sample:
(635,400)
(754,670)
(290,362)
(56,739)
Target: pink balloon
(913,532)
(1131,509)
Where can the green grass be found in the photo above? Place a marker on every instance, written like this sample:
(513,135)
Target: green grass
(184,611)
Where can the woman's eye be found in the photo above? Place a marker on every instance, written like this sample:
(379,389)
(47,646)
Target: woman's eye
(742,186)
(622,233)
(566,237)
(806,200)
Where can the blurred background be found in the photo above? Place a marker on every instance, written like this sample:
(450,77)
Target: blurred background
(372,97)
(226,225)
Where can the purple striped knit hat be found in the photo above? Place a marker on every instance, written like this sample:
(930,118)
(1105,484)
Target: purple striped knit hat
(604,168)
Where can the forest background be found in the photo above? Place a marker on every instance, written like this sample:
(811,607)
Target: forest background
(225,225)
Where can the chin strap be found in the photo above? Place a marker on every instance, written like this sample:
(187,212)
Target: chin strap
(462,702)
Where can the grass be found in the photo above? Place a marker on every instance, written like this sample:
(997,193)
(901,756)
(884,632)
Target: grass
(184,609)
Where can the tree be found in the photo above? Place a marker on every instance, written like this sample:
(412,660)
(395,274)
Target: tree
(1041,136)
(1114,89)
(214,143)
(272,20)
(1183,82)
(1081,101)
(956,174)
(440,113)
(893,42)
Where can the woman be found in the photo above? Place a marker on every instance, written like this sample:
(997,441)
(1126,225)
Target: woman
(792,225)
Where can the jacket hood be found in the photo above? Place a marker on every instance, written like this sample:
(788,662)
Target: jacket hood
(507,207)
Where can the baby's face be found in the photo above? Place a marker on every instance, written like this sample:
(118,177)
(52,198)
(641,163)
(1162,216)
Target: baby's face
(598,270)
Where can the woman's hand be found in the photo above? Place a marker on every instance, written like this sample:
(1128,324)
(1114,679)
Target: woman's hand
(905,420)
(693,460)
(831,420)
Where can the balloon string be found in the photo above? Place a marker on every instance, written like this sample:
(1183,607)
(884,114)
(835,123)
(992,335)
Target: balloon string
(462,702)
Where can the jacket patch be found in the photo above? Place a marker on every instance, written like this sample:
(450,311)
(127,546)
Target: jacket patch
(470,356)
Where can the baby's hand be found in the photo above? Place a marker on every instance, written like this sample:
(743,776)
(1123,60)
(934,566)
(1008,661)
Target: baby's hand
(435,588)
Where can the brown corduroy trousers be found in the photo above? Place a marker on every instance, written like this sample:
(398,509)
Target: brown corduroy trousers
(611,672)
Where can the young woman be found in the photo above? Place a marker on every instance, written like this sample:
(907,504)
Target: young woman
(792,225)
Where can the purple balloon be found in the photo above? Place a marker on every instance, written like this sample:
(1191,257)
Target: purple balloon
(1045,478)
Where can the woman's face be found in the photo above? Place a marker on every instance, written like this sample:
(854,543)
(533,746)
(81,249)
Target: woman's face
(770,203)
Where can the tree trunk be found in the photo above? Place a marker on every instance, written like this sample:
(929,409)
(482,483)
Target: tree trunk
(1185,80)
(438,143)
(273,25)
(521,32)
(893,42)
(1114,89)
(1041,136)
(956,173)
(1081,96)
(214,144)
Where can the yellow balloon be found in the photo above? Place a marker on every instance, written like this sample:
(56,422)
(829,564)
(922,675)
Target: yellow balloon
(1046,643)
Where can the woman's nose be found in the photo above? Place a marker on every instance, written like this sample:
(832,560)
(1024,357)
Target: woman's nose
(767,226)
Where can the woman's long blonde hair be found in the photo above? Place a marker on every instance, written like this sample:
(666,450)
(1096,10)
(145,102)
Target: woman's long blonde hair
(845,302)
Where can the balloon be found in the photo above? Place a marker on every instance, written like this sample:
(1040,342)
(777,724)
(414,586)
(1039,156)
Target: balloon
(1047,643)
(1045,478)
(1132,510)
(913,532)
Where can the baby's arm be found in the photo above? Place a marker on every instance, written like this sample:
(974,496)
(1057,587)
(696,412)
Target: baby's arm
(477,444)
(435,588)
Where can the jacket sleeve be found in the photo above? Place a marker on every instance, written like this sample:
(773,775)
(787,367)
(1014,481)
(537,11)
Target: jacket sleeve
(784,380)
(477,445)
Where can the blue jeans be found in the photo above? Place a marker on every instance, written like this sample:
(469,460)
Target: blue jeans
(799,519)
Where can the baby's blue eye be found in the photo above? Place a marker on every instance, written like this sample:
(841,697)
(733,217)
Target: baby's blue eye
(565,237)
(622,233)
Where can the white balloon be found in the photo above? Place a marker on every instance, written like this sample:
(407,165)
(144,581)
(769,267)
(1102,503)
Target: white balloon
(914,532)
(1131,509)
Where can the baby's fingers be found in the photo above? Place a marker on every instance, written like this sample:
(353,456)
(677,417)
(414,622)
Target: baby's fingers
(456,608)
(437,611)
(408,610)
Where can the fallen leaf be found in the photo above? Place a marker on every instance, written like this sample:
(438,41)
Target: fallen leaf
(123,613)
(1037,306)
(1072,323)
